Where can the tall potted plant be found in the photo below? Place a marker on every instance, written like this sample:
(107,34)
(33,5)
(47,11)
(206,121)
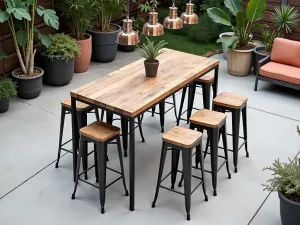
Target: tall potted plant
(59,59)
(80,14)
(8,89)
(240,53)
(20,15)
(103,32)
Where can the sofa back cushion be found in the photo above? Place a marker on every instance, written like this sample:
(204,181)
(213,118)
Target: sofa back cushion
(286,51)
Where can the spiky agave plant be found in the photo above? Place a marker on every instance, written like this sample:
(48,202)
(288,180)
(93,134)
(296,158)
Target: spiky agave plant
(150,51)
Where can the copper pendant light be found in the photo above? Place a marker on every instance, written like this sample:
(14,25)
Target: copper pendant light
(127,36)
(189,17)
(153,27)
(173,21)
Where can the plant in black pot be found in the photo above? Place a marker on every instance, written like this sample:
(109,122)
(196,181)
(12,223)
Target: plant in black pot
(8,89)
(286,181)
(21,15)
(59,59)
(103,32)
(150,51)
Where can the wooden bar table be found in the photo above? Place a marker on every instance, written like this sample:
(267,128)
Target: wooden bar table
(129,93)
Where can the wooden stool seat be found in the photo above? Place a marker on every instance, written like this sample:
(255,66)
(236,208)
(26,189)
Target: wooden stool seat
(207,78)
(208,118)
(230,100)
(80,106)
(182,136)
(100,131)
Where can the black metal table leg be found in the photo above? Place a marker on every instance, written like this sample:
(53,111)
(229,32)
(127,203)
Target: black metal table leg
(109,117)
(206,95)
(181,105)
(82,122)
(191,96)
(216,81)
(124,128)
(75,135)
(131,163)
(162,115)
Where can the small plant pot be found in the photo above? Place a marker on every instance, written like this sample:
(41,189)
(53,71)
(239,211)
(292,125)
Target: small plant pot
(104,44)
(151,68)
(289,211)
(258,56)
(4,105)
(126,48)
(82,60)
(225,34)
(28,87)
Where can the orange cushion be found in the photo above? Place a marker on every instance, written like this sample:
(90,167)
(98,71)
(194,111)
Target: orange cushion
(281,72)
(286,52)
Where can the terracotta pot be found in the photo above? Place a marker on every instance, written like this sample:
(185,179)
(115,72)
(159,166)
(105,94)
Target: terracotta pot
(239,62)
(82,60)
(151,68)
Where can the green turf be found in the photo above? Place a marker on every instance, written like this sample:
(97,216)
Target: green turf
(183,43)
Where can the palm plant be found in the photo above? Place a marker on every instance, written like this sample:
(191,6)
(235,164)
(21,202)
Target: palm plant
(246,22)
(268,39)
(150,51)
(285,19)
(20,15)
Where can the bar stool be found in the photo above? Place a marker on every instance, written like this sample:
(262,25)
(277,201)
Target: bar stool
(184,140)
(100,134)
(235,104)
(206,82)
(215,124)
(82,109)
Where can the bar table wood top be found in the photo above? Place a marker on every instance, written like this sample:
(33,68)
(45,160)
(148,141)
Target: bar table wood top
(129,93)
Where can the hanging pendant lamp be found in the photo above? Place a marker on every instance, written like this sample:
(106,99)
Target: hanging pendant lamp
(189,17)
(127,36)
(153,27)
(173,21)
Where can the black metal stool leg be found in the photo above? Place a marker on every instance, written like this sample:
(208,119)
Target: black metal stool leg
(175,108)
(96,163)
(121,164)
(78,166)
(175,160)
(97,114)
(191,96)
(214,139)
(235,136)
(153,110)
(199,149)
(61,131)
(187,174)
(224,138)
(102,114)
(160,171)
(124,128)
(244,114)
(102,152)
(162,115)
(181,105)
(140,128)
(206,95)
(206,147)
(109,117)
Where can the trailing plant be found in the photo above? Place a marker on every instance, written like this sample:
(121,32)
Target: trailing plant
(105,10)
(20,15)
(246,22)
(285,19)
(286,178)
(268,39)
(62,47)
(150,51)
(8,88)
(80,14)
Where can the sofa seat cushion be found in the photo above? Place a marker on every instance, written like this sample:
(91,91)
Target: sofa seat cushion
(282,72)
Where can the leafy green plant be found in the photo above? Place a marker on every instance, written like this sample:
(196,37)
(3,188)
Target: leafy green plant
(150,51)
(80,14)
(148,5)
(20,15)
(8,88)
(268,39)
(285,19)
(62,47)
(138,23)
(246,22)
(286,177)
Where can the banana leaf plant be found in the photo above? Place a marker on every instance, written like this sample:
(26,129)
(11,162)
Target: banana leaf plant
(246,22)
(20,15)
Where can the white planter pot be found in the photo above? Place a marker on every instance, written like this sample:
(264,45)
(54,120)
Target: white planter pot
(223,45)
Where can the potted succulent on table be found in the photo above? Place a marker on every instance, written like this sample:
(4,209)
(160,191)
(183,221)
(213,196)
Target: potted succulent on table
(104,33)
(8,89)
(240,53)
(59,59)
(286,180)
(20,15)
(80,13)
(150,51)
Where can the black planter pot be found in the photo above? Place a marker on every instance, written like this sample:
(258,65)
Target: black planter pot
(104,46)
(151,68)
(126,48)
(29,87)
(4,105)
(258,56)
(289,211)
(58,72)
